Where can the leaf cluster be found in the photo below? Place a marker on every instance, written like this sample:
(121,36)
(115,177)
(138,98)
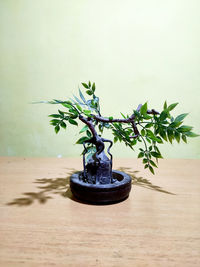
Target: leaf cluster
(123,134)
(159,128)
(75,107)
(153,128)
(62,117)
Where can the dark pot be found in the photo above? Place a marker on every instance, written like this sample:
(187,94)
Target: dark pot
(101,193)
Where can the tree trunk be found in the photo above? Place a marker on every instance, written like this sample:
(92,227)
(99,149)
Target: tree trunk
(98,169)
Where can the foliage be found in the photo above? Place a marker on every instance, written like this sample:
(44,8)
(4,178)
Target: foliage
(154,128)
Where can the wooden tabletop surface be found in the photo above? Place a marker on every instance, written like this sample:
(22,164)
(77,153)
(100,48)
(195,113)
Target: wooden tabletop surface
(42,225)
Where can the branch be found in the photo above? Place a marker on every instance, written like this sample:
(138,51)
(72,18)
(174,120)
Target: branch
(128,120)
(99,118)
(102,119)
(89,124)
(153,111)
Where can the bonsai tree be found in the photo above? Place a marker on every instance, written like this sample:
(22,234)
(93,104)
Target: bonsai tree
(146,126)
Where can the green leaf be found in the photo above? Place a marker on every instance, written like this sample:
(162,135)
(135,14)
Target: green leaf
(147,117)
(123,115)
(72,121)
(73,110)
(55,121)
(156,148)
(181,117)
(77,100)
(184,138)
(148,125)
(66,105)
(141,155)
(153,163)
(79,107)
(148,140)
(150,133)
(163,115)
(68,102)
(177,136)
(175,124)
(85,85)
(82,96)
(159,140)
(133,142)
(117,125)
(93,87)
(61,113)
(146,166)
(89,92)
(57,129)
(74,114)
(145,161)
(115,139)
(100,127)
(163,134)
(165,122)
(184,128)
(55,116)
(170,135)
(151,169)
(143,132)
(191,134)
(89,84)
(88,133)
(172,106)
(165,105)
(63,125)
(82,139)
(156,154)
(85,128)
(143,110)
(87,112)
(152,136)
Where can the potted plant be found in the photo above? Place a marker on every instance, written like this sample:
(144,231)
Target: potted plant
(98,183)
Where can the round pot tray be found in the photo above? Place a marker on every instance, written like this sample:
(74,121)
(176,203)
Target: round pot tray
(101,193)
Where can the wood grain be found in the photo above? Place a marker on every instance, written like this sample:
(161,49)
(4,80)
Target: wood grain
(42,225)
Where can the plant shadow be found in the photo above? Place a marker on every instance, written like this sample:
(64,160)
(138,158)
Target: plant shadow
(48,187)
(140,181)
(61,186)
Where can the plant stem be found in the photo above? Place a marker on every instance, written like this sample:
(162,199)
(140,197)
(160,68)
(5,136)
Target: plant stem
(90,125)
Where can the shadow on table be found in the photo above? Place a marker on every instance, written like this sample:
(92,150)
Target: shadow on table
(140,181)
(50,186)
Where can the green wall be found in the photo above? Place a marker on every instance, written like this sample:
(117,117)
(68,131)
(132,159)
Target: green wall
(134,50)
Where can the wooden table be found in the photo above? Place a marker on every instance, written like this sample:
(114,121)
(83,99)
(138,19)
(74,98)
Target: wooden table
(42,225)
